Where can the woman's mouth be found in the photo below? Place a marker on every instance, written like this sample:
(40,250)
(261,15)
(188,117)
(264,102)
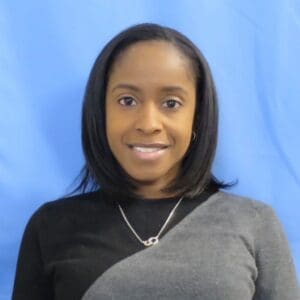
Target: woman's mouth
(146,149)
(148,152)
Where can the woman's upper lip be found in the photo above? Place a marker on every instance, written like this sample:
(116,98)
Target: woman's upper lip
(149,145)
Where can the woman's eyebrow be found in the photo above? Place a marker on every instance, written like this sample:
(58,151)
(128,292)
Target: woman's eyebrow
(171,88)
(126,86)
(174,88)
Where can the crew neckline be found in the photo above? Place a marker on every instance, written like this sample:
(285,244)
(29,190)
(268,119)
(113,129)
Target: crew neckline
(150,201)
(153,200)
(137,200)
(165,201)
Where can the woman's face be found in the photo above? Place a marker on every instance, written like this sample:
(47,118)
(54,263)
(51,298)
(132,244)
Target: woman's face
(150,105)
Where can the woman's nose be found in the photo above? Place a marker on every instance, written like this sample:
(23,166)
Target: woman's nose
(148,120)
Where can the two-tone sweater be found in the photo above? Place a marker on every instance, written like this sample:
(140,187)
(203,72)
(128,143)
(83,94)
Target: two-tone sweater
(216,246)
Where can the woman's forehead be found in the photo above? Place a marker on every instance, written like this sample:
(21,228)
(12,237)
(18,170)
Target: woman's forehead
(152,61)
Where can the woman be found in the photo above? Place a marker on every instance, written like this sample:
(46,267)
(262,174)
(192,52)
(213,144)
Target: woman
(152,223)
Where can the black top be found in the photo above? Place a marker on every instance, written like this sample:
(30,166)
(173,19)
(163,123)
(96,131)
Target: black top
(69,243)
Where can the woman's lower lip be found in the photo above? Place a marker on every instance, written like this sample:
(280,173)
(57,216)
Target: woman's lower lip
(149,155)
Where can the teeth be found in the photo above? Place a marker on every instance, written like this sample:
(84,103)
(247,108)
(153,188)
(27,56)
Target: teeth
(144,149)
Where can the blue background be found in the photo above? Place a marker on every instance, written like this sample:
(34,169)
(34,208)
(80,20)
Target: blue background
(46,52)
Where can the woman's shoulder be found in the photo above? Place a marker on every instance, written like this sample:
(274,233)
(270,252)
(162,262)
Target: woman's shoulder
(244,208)
(69,206)
(69,202)
(241,201)
(254,220)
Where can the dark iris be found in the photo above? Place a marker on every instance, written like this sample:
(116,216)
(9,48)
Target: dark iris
(171,103)
(128,101)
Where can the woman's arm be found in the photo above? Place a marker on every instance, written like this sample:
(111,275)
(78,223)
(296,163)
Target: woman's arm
(277,278)
(30,280)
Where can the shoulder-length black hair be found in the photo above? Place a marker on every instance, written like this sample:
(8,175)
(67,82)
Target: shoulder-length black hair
(101,168)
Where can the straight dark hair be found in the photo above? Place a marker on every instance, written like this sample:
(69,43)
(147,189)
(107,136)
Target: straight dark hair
(101,169)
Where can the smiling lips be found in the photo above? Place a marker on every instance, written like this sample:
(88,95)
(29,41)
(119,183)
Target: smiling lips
(148,151)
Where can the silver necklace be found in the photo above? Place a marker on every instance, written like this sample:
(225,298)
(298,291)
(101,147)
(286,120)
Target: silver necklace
(154,239)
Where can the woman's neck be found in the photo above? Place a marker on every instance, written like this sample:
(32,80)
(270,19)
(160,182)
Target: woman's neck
(151,191)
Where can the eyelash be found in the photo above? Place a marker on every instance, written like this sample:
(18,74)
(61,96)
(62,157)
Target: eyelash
(126,97)
(178,103)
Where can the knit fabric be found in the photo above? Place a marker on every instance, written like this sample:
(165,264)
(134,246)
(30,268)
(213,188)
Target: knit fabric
(223,247)
(227,248)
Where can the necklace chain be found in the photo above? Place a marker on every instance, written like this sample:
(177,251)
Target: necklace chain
(154,239)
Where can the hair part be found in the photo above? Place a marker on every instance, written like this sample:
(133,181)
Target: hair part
(101,169)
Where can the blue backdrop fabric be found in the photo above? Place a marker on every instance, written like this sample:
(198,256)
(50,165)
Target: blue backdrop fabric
(47,49)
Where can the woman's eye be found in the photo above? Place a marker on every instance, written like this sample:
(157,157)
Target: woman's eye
(127,101)
(172,104)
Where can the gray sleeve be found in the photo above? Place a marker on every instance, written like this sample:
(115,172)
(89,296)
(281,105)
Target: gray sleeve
(277,278)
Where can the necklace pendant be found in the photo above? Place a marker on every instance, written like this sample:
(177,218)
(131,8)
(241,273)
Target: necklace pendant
(154,239)
(151,241)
